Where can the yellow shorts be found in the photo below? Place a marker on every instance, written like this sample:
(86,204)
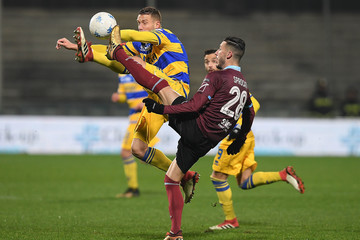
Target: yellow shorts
(235,164)
(129,135)
(149,124)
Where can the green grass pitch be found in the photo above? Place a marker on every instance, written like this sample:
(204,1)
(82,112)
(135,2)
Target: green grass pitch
(72,197)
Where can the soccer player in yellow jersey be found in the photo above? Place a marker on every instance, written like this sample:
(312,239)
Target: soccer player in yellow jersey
(132,93)
(241,165)
(160,52)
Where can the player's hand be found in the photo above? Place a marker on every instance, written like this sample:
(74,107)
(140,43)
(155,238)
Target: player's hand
(115,97)
(235,146)
(234,133)
(64,42)
(153,106)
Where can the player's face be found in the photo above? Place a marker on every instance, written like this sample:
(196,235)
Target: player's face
(210,62)
(147,23)
(221,54)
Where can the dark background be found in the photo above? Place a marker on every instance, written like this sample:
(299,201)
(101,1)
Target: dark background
(290,45)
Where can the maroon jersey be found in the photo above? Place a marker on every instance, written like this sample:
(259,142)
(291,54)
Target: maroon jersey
(221,98)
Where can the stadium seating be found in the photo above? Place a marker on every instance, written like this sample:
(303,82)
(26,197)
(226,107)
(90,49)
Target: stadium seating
(284,57)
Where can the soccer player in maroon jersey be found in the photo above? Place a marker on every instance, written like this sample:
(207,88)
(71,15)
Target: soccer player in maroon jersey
(202,121)
(241,165)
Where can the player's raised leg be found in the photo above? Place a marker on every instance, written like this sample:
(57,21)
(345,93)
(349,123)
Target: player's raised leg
(87,52)
(288,175)
(141,75)
(260,178)
(84,51)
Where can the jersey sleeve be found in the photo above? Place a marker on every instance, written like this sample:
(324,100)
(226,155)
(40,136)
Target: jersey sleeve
(256,106)
(129,35)
(248,115)
(200,99)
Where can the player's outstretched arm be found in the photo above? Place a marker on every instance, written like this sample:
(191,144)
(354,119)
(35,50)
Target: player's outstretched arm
(129,35)
(64,42)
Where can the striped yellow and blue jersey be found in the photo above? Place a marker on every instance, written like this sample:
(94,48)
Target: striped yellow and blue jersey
(161,48)
(130,92)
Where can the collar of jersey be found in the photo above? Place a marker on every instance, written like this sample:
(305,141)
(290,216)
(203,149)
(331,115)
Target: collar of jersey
(237,68)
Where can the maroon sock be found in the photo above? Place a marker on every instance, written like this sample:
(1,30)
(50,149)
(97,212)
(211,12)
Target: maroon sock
(141,75)
(176,203)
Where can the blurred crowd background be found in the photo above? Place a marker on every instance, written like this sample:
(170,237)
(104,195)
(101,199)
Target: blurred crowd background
(301,59)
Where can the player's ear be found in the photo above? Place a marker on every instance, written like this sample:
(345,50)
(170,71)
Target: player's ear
(157,24)
(229,54)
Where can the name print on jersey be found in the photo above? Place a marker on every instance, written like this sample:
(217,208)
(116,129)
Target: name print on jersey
(240,81)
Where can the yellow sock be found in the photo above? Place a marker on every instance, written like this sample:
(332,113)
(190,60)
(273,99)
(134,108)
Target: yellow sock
(157,158)
(261,178)
(99,53)
(224,193)
(130,169)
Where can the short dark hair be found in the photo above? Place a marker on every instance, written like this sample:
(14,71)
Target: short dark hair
(238,44)
(155,13)
(209,51)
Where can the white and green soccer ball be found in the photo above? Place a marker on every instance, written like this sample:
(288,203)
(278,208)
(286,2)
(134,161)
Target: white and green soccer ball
(101,24)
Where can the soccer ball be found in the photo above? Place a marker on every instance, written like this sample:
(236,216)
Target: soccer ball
(101,25)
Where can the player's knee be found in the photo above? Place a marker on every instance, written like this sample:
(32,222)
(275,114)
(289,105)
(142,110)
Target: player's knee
(219,175)
(138,149)
(137,152)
